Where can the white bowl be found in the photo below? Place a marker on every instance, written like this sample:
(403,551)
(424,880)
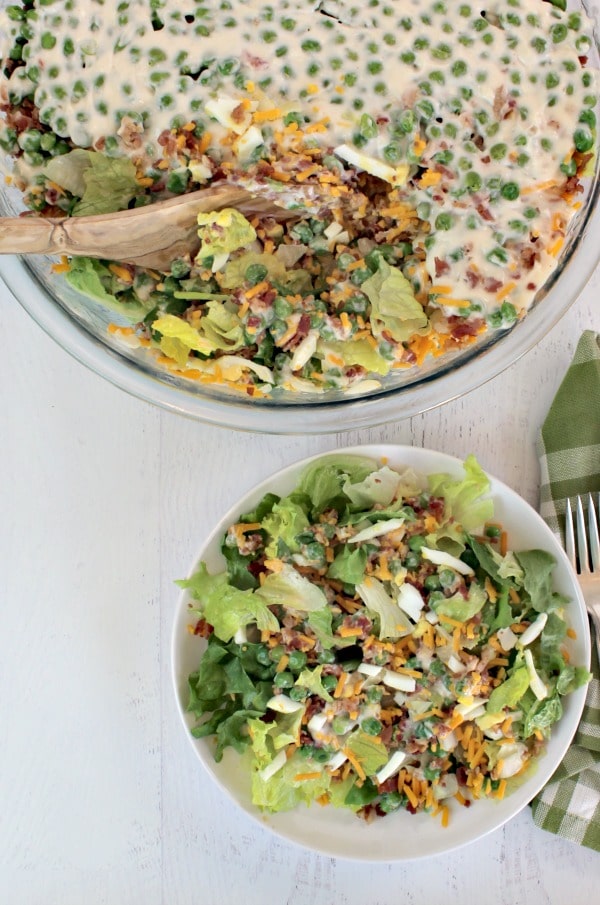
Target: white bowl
(399,836)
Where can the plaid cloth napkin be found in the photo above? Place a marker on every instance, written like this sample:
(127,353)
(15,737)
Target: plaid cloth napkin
(569,451)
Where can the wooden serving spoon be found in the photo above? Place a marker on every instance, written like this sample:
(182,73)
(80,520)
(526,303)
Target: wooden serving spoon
(151,236)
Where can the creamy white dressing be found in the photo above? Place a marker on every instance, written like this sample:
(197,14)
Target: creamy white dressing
(485,104)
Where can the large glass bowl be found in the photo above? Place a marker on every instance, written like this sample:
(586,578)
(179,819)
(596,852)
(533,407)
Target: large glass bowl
(80,326)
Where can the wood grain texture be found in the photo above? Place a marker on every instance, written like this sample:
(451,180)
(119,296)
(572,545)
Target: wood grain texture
(105,501)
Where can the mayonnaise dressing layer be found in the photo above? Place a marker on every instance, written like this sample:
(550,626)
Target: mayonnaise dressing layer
(474,114)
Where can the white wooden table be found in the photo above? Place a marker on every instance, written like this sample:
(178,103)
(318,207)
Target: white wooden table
(104,501)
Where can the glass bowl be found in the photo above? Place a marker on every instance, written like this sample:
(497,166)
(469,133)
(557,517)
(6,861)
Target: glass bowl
(81,327)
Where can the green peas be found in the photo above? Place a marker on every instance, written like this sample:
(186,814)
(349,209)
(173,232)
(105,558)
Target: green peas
(263,654)
(255,273)
(284,679)
(368,126)
(498,151)
(326,656)
(390,801)
(392,153)
(493,531)
(416,543)
(297,693)
(371,726)
(473,181)
(329,682)
(177,181)
(447,578)
(340,724)
(588,117)
(30,140)
(583,140)
(432,583)
(374,694)
(510,191)
(412,561)
(443,221)
(276,653)
(179,270)
(297,660)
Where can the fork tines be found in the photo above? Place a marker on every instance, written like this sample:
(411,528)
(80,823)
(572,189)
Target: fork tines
(583,543)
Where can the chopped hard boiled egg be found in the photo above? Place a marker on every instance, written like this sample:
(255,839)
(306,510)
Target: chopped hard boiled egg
(394,175)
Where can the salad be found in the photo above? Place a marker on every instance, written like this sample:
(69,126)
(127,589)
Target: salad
(374,643)
(435,154)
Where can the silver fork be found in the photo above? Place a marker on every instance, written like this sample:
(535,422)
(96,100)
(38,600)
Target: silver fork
(583,549)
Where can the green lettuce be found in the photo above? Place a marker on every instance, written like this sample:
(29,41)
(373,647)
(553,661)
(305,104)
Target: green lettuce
(233,687)
(282,792)
(223,232)
(355,352)
(218,329)
(320,623)
(290,589)
(323,482)
(538,566)
(226,607)
(370,754)
(392,622)
(459,608)
(465,502)
(510,692)
(379,487)
(349,565)
(103,184)
(67,170)
(234,273)
(179,338)
(540,715)
(286,520)
(93,279)
(312,679)
(394,308)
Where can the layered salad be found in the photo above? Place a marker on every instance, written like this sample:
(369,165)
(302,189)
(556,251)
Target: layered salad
(373,643)
(433,153)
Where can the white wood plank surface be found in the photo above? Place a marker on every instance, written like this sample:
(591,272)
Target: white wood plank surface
(104,501)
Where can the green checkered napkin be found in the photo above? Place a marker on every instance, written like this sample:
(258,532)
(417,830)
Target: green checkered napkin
(569,452)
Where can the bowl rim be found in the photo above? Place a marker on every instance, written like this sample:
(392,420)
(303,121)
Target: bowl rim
(395,453)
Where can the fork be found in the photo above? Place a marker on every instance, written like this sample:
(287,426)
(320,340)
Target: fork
(583,549)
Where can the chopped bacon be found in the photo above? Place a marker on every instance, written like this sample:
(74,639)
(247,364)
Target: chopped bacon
(461,328)
(491,284)
(203,629)
(484,212)
(301,331)
(472,278)
(441,267)
(254,61)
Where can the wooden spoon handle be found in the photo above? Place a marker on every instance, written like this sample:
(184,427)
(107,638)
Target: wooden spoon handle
(120,235)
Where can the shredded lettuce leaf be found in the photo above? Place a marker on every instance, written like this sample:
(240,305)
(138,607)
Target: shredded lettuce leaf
(223,232)
(227,608)
(285,522)
(290,589)
(392,622)
(394,308)
(323,482)
(464,497)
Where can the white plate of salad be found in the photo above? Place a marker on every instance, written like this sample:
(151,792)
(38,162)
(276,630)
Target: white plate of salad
(381,653)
